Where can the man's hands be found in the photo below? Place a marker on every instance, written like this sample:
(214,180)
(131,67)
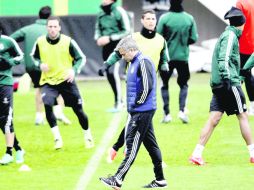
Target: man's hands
(70,76)
(227,84)
(102,41)
(44,67)
(4,65)
(103,69)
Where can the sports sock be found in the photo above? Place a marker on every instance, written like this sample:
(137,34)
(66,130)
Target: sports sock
(251,150)
(9,150)
(198,151)
(16,144)
(56,133)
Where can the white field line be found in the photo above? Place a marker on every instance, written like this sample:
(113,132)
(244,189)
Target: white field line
(95,160)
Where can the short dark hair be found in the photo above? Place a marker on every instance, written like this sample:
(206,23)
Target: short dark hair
(45,12)
(54,18)
(151,11)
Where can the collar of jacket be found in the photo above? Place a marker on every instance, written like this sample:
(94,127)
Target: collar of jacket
(147,33)
(41,21)
(108,8)
(237,31)
(176,8)
(55,41)
(136,57)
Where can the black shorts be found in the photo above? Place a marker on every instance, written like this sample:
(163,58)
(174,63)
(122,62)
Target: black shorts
(35,75)
(6,108)
(69,92)
(232,102)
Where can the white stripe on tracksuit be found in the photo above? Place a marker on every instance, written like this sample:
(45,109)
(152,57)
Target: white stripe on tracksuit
(7,127)
(145,83)
(238,99)
(131,157)
(229,47)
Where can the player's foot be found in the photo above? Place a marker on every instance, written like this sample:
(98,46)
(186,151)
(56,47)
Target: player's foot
(64,119)
(89,143)
(111,182)
(182,116)
(156,184)
(167,119)
(58,144)
(6,159)
(20,156)
(39,120)
(197,161)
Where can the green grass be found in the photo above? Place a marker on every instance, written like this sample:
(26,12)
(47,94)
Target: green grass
(227,156)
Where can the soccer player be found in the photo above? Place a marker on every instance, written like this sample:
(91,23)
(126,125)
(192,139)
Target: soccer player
(247,46)
(112,25)
(10,55)
(151,44)
(226,86)
(141,105)
(60,59)
(29,35)
(179,29)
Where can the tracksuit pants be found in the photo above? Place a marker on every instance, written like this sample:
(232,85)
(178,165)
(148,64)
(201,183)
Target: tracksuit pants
(182,68)
(140,130)
(113,75)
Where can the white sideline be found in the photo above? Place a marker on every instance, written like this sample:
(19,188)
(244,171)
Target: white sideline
(94,161)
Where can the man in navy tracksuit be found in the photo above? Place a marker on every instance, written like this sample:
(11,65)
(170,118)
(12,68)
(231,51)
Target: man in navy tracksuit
(141,105)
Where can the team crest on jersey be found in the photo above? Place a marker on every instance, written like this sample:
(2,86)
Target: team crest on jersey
(5,101)
(1,46)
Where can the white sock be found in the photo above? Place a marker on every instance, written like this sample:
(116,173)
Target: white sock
(39,114)
(58,111)
(87,133)
(251,150)
(56,133)
(198,151)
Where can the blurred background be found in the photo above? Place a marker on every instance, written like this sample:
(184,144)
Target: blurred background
(78,21)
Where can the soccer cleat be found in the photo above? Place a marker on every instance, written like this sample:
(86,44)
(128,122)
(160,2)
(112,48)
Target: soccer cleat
(39,120)
(111,155)
(167,118)
(252,160)
(117,108)
(20,156)
(58,144)
(182,116)
(111,182)
(64,119)
(156,184)
(6,159)
(89,143)
(197,161)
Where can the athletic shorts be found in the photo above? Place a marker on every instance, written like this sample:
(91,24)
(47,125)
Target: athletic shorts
(232,101)
(69,92)
(35,75)
(6,108)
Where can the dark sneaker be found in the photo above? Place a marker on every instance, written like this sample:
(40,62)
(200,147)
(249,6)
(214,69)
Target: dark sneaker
(111,182)
(157,184)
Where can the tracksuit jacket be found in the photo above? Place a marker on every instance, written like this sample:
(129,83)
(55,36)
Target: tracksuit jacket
(226,58)
(10,55)
(29,35)
(178,27)
(107,23)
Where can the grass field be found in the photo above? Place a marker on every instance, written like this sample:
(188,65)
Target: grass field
(227,157)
